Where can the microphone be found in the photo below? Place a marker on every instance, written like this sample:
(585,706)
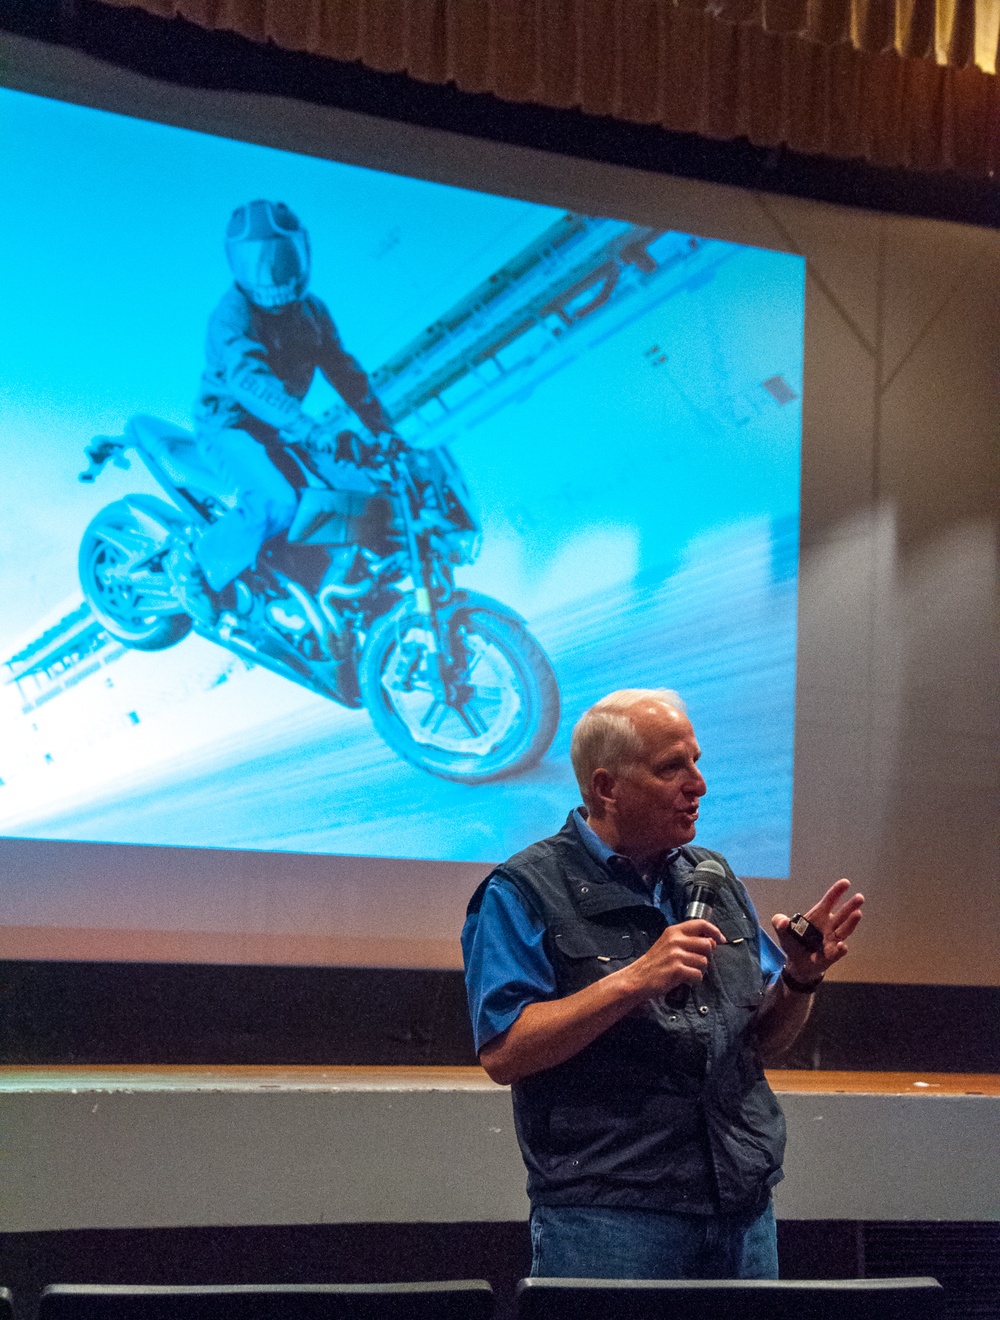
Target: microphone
(702,889)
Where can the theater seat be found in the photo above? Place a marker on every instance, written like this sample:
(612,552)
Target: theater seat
(730,1299)
(470,1299)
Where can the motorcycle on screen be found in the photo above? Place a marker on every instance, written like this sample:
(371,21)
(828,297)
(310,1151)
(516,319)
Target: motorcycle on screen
(356,601)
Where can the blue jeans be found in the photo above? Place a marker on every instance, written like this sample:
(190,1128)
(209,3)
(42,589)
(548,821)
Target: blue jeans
(598,1242)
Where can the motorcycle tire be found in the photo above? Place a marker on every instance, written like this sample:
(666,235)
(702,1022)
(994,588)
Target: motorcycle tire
(117,602)
(518,727)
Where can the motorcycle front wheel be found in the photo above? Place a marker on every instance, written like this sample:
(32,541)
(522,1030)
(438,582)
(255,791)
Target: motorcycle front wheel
(132,599)
(508,710)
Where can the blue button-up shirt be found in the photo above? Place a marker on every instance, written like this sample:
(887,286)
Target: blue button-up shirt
(506,965)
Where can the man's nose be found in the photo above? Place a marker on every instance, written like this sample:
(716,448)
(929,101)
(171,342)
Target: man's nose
(698,786)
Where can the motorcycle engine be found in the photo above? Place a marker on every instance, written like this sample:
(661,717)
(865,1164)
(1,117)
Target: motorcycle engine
(287,617)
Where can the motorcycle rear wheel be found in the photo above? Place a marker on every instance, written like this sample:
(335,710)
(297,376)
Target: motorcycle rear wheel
(506,726)
(135,609)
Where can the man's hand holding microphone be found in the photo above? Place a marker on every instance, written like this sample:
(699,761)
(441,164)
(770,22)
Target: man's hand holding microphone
(681,955)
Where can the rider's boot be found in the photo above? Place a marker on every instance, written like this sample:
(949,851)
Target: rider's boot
(191,588)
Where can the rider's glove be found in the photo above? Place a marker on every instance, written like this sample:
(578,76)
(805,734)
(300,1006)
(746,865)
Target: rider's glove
(321,441)
(350,448)
(301,431)
(327,439)
(386,446)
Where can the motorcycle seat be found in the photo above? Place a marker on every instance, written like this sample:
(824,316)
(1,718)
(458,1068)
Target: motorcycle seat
(176,452)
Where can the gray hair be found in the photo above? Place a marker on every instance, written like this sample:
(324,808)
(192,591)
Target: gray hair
(605,736)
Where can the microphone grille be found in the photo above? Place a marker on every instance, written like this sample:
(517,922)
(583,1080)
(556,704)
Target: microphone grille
(704,880)
(708,870)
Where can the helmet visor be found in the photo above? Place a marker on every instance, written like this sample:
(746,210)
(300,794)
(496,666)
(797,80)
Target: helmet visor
(271,271)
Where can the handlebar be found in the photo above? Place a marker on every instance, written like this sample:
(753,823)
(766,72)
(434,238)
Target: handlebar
(102,450)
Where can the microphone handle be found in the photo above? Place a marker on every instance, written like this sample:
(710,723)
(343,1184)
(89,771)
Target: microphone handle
(696,910)
(701,900)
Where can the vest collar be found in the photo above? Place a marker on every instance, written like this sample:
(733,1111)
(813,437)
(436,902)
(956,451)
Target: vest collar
(594,889)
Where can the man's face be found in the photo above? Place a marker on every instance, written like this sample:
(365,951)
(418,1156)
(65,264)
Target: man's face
(655,801)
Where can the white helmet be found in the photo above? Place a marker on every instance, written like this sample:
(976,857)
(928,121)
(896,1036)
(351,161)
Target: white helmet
(268,253)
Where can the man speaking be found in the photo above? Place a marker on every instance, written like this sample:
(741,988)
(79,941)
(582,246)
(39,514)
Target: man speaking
(631,1026)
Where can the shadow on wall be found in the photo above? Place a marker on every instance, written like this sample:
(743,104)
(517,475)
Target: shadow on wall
(895,752)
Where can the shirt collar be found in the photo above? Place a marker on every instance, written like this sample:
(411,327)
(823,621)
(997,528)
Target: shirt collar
(605,856)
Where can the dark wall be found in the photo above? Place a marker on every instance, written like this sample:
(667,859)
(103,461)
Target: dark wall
(137,1013)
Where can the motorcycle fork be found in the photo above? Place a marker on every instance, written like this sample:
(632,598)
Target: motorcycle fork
(439,646)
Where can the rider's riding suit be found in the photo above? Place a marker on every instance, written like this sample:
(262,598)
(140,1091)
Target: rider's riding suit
(266,338)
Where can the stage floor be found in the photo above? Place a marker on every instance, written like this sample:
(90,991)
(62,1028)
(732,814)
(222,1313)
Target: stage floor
(163,1147)
(164,1077)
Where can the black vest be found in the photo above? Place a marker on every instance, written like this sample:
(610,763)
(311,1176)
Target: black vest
(669,1108)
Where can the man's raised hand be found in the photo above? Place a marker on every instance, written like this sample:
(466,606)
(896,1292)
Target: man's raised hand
(835,920)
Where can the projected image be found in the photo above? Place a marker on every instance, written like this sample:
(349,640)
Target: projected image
(333,498)
(354,596)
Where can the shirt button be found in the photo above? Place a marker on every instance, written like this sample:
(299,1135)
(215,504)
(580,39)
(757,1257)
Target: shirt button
(703,1009)
(584,889)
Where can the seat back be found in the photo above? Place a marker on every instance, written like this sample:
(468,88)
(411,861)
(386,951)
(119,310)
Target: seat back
(460,1300)
(730,1299)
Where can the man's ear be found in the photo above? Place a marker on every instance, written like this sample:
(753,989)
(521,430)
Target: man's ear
(602,791)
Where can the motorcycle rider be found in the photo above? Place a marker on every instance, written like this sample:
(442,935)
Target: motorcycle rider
(266,339)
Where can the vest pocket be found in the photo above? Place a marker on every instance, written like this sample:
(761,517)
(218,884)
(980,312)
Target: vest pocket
(737,973)
(735,963)
(579,940)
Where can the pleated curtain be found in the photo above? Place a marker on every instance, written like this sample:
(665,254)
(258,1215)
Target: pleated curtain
(904,83)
